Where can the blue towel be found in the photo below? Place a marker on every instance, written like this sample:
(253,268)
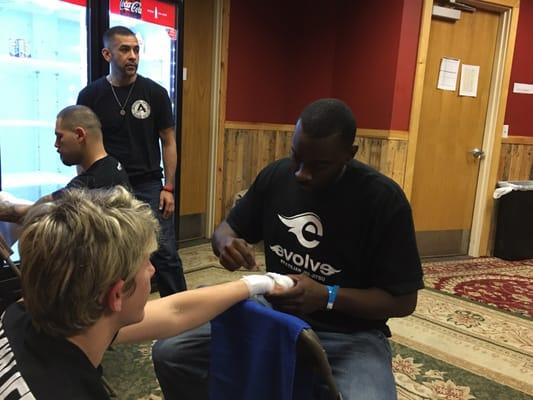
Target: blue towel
(253,355)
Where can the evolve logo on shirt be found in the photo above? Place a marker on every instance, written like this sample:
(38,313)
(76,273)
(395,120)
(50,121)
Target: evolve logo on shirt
(307,222)
(308,230)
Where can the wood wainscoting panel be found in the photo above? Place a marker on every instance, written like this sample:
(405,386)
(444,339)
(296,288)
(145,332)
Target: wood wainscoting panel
(249,147)
(247,152)
(516,160)
(386,155)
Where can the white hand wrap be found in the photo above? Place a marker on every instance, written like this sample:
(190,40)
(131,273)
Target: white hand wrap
(258,284)
(282,280)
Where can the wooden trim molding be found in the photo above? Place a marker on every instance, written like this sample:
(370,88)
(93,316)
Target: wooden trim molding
(222,110)
(383,134)
(260,126)
(518,140)
(418,91)
(366,133)
(493,5)
(487,212)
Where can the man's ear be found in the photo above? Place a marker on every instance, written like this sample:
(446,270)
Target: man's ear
(106,53)
(115,296)
(81,134)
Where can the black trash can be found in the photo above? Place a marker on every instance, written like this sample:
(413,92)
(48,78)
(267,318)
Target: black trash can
(514,224)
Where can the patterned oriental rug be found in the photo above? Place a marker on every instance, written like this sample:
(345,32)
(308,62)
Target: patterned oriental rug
(506,285)
(450,349)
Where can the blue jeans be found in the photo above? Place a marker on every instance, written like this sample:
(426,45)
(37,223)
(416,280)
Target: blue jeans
(361,364)
(167,263)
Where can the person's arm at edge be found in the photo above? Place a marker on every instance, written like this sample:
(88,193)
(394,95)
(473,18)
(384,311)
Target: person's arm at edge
(172,315)
(14,212)
(170,163)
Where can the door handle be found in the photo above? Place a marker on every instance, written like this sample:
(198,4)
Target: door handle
(477,153)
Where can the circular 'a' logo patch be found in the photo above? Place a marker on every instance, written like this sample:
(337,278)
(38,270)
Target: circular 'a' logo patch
(140,109)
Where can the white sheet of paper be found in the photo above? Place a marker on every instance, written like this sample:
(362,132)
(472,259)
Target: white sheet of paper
(469,80)
(524,88)
(449,67)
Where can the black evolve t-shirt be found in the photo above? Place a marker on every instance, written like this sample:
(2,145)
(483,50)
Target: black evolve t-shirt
(37,366)
(357,233)
(133,139)
(104,173)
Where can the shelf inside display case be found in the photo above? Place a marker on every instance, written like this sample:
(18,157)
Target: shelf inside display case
(36,178)
(35,64)
(34,123)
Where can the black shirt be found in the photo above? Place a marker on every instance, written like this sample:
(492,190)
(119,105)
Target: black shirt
(357,233)
(133,139)
(102,174)
(38,366)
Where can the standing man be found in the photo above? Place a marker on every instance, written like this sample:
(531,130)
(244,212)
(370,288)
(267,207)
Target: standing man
(136,115)
(344,233)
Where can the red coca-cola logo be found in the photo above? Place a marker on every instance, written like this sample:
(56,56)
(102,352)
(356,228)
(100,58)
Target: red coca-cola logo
(131,6)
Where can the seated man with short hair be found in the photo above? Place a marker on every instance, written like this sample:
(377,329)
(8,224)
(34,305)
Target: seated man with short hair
(79,142)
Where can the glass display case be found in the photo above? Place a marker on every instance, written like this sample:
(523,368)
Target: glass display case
(43,66)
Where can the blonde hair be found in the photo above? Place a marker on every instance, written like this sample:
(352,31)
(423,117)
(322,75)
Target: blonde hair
(75,249)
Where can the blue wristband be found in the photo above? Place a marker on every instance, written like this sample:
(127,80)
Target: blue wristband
(332,295)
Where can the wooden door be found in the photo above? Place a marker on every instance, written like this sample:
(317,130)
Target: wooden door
(451,126)
(196,116)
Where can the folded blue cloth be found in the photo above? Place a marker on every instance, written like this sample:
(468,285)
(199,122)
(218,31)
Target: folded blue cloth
(253,355)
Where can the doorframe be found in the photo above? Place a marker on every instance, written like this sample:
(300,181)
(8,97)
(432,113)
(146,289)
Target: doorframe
(482,221)
(218,109)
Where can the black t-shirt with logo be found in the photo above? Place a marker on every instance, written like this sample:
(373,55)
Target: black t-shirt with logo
(104,173)
(133,139)
(37,366)
(357,233)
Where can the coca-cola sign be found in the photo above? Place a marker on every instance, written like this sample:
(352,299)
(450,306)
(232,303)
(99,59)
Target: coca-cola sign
(131,8)
(158,12)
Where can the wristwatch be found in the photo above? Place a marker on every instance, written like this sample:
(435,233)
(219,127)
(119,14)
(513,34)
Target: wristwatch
(168,188)
(332,296)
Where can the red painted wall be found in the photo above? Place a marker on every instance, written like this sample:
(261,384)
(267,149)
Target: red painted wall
(256,85)
(311,54)
(367,61)
(406,65)
(280,58)
(520,106)
(283,55)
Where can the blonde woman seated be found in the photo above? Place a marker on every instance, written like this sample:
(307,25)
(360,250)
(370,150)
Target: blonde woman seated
(86,273)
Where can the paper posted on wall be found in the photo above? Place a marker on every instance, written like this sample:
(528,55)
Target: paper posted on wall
(469,80)
(449,68)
